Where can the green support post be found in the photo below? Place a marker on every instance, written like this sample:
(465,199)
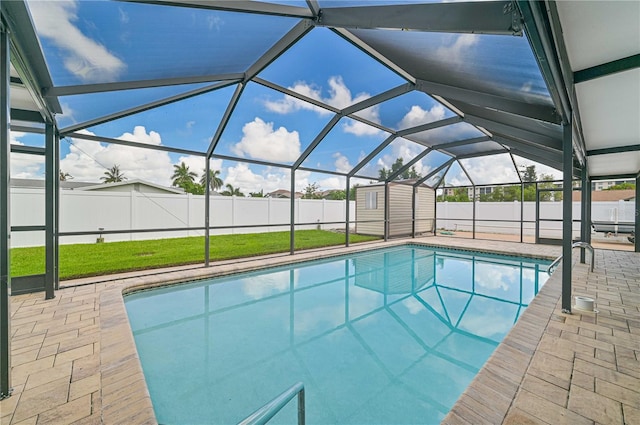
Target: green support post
(347,210)
(636,243)
(292,228)
(585,225)
(207,209)
(50,208)
(5,223)
(567,219)
(56,209)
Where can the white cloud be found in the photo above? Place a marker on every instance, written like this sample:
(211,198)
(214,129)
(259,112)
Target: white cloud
(84,57)
(342,163)
(88,160)
(258,287)
(491,169)
(24,166)
(413,305)
(495,277)
(540,168)
(418,116)
(457,51)
(333,182)
(242,176)
(339,96)
(14,136)
(261,141)
(358,128)
(123,16)
(68,115)
(407,150)
(214,22)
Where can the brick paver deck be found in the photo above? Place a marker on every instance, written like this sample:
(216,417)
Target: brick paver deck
(74,359)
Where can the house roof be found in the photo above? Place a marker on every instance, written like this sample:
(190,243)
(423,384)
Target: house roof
(283,193)
(607,195)
(39,183)
(124,184)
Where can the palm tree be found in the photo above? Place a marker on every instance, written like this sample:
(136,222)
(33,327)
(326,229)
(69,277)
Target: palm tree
(215,182)
(113,175)
(232,191)
(182,176)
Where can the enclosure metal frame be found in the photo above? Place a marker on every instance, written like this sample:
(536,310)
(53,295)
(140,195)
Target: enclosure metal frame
(539,21)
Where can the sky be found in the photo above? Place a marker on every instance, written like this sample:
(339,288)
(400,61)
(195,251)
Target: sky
(98,42)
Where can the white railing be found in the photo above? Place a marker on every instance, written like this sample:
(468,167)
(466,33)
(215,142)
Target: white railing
(269,410)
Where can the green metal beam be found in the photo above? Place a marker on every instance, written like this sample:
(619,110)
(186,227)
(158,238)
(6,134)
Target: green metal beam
(495,17)
(615,149)
(24,115)
(605,69)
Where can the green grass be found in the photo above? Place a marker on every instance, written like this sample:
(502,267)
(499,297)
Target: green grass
(81,260)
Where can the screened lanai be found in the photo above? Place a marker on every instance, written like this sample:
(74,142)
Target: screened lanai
(285,94)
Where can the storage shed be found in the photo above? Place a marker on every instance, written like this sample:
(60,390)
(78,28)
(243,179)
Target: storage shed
(370,209)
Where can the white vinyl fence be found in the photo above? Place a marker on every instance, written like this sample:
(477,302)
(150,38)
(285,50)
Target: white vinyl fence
(82,211)
(456,216)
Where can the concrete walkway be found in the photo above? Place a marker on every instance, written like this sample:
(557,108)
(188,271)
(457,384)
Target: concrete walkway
(74,359)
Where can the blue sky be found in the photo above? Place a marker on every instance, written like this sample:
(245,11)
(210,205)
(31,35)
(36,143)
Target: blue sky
(97,41)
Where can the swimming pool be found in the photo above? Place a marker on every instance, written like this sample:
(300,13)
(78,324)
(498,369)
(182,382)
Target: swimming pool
(385,336)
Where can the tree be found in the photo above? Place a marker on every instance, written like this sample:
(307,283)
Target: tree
(337,195)
(547,183)
(193,188)
(311,192)
(411,173)
(182,176)
(257,194)
(232,191)
(215,182)
(460,194)
(65,176)
(622,186)
(113,175)
(528,173)
(352,192)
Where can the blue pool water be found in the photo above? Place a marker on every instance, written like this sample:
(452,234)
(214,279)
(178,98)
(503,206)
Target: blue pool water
(385,337)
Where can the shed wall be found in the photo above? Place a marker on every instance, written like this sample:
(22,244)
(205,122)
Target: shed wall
(363,214)
(400,210)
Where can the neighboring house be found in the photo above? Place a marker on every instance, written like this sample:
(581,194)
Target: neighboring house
(370,209)
(132,186)
(283,193)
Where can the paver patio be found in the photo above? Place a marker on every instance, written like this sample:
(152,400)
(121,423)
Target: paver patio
(74,358)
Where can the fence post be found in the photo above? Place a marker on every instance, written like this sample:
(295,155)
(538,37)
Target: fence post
(132,212)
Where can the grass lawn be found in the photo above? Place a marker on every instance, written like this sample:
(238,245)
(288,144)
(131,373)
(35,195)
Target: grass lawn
(81,260)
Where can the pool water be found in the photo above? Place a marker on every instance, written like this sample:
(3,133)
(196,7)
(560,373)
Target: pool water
(388,336)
